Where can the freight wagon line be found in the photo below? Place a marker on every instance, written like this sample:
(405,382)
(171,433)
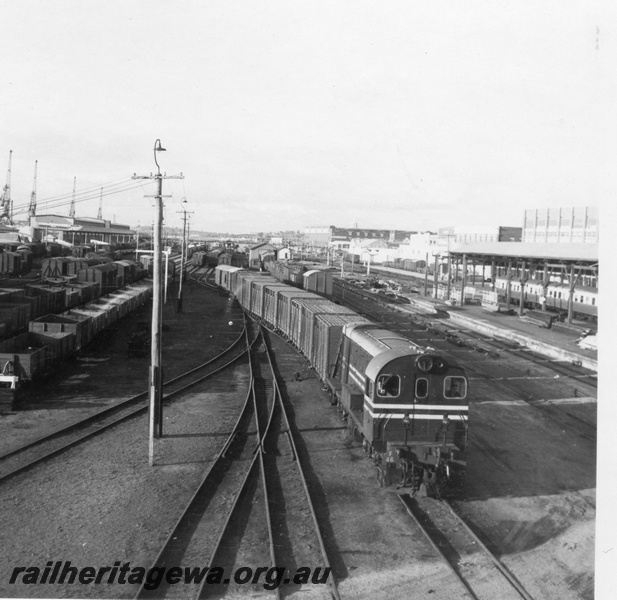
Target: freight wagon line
(459,548)
(98,421)
(341,345)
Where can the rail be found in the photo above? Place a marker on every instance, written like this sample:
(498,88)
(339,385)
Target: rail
(184,536)
(292,439)
(98,423)
(440,538)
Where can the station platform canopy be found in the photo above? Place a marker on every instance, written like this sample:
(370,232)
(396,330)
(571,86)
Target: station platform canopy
(577,253)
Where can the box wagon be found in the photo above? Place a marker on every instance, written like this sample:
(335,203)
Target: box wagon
(270,302)
(284,319)
(327,334)
(310,311)
(222,275)
(318,281)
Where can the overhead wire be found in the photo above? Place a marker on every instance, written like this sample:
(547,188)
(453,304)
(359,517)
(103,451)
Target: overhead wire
(82,196)
(89,192)
(112,184)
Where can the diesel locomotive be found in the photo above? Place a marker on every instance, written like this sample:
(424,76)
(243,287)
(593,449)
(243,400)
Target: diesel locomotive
(407,405)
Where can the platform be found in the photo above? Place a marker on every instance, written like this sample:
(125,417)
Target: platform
(558,345)
(555,344)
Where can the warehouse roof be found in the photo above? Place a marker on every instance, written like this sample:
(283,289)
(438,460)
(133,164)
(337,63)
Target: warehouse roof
(85,224)
(576,252)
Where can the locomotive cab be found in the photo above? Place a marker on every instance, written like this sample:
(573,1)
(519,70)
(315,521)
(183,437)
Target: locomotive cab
(416,423)
(413,412)
(412,394)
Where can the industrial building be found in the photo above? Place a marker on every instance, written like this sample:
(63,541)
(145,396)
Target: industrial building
(76,230)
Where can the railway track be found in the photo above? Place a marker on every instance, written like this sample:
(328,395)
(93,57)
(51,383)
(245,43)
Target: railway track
(252,507)
(296,528)
(480,572)
(46,447)
(247,535)
(202,278)
(517,385)
(569,370)
(196,535)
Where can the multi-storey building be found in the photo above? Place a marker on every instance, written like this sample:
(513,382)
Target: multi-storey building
(323,236)
(577,225)
(319,236)
(474,234)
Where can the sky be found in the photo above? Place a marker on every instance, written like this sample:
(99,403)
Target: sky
(284,114)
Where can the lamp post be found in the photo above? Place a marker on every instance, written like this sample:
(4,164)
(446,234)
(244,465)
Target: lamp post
(155,418)
(156,379)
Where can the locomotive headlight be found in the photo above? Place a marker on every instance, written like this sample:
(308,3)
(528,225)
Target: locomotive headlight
(440,363)
(406,421)
(424,363)
(445,422)
(406,424)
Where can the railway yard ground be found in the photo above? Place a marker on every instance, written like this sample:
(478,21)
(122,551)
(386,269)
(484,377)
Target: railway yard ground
(530,495)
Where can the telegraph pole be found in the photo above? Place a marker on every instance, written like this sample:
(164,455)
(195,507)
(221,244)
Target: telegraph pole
(155,420)
(183,252)
(137,245)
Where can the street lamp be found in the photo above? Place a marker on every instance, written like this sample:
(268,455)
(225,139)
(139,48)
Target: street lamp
(156,377)
(155,418)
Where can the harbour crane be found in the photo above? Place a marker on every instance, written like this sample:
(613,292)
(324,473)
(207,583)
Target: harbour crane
(100,215)
(32,209)
(6,204)
(72,209)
